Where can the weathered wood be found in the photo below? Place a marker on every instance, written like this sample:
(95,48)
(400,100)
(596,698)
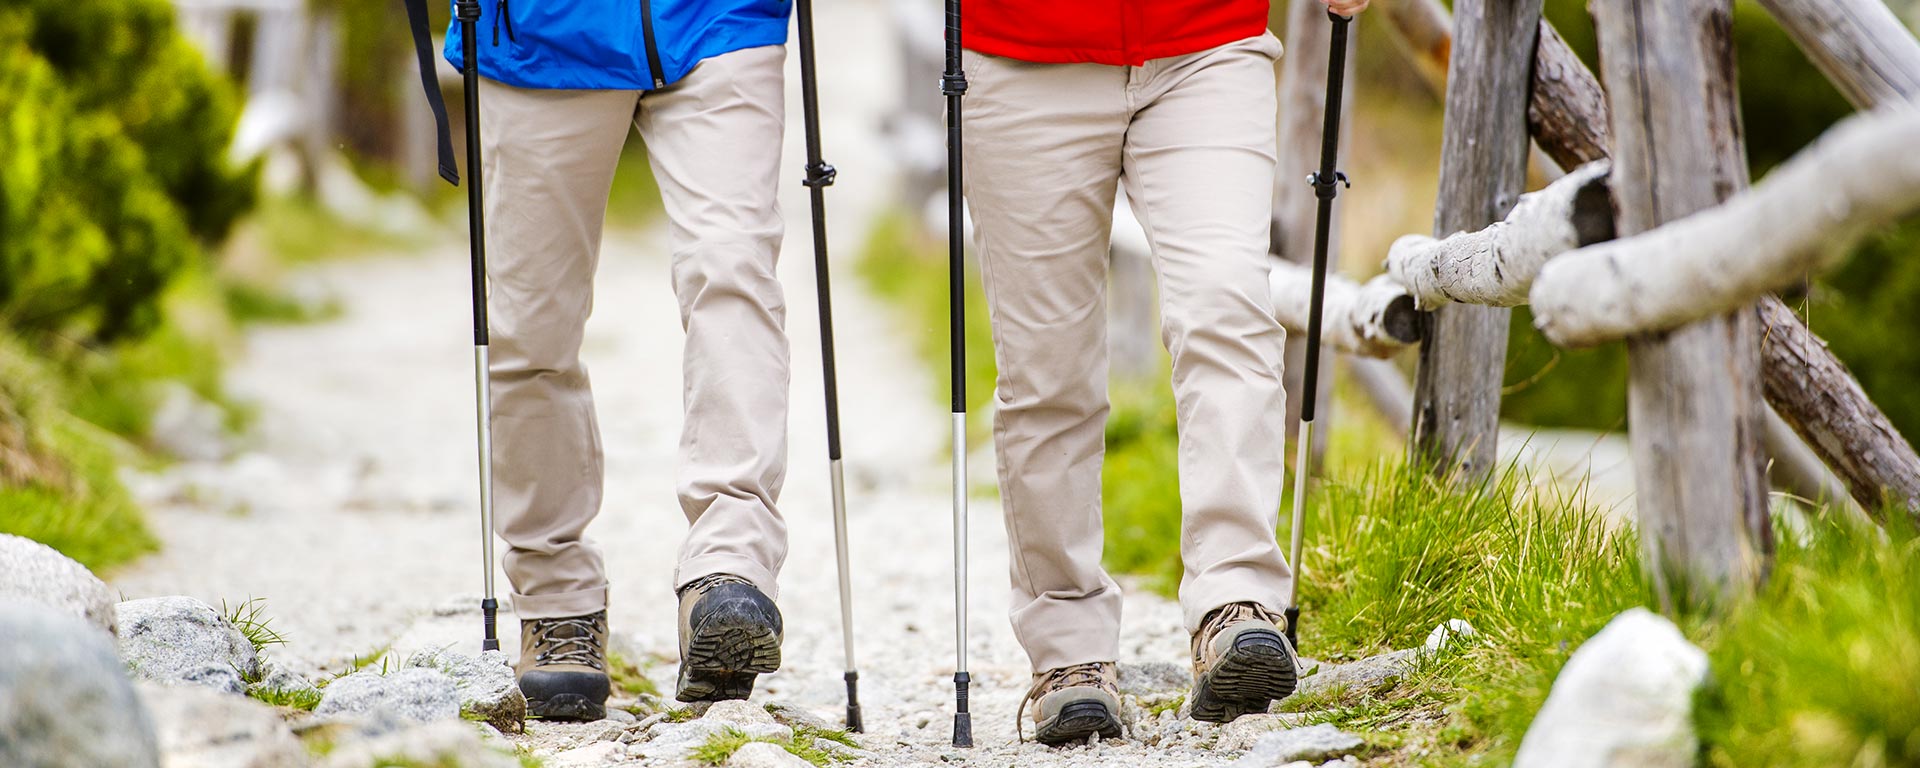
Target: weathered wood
(1483,168)
(1795,467)
(1567,113)
(1495,266)
(1302,100)
(1862,175)
(1694,402)
(1375,319)
(1859,44)
(1834,416)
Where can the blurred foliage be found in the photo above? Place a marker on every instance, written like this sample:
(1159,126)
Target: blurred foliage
(1863,309)
(113,171)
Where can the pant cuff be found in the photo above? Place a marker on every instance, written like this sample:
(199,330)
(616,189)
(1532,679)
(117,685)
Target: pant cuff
(1197,601)
(701,566)
(560,605)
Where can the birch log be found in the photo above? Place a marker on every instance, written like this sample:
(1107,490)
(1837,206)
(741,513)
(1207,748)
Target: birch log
(1374,319)
(1858,44)
(1483,167)
(1694,399)
(1497,265)
(1825,405)
(1863,174)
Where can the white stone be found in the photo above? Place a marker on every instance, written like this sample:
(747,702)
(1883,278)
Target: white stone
(485,685)
(1625,698)
(1448,634)
(34,571)
(739,713)
(597,753)
(414,694)
(201,727)
(760,754)
(64,695)
(183,640)
(1312,743)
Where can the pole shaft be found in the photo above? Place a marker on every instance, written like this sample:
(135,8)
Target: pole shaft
(953,84)
(468,12)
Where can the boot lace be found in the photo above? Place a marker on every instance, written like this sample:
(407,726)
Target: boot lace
(1091,675)
(705,583)
(1227,616)
(570,640)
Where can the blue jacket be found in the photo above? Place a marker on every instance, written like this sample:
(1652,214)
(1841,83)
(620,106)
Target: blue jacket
(614,44)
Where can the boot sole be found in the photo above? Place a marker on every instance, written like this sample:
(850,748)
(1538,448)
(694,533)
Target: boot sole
(1076,722)
(1258,670)
(724,656)
(567,706)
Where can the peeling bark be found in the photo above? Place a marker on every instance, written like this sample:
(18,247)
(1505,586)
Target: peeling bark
(1497,265)
(1375,319)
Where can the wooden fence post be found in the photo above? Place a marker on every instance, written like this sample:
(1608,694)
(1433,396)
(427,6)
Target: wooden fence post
(1483,169)
(1694,401)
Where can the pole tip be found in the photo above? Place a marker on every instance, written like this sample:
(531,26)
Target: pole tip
(853,703)
(963,730)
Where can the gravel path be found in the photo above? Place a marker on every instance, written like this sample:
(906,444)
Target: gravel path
(351,511)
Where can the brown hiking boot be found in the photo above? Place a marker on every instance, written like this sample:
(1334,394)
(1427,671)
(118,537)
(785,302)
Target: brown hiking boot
(1241,663)
(563,667)
(1072,703)
(729,633)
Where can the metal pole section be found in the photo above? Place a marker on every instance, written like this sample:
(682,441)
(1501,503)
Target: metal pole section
(820,175)
(1326,187)
(953,84)
(468,12)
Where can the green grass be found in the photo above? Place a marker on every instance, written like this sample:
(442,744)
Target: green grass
(249,616)
(628,678)
(293,698)
(909,269)
(721,746)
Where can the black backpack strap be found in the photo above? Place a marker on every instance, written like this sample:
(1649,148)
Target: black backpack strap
(430,81)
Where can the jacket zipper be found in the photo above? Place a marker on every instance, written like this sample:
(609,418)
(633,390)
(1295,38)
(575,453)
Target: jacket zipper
(653,51)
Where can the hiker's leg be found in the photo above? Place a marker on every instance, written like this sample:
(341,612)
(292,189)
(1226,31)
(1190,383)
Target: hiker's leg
(549,165)
(714,142)
(1199,171)
(1042,165)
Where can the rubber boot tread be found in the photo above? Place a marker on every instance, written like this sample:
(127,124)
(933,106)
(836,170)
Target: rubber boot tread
(724,656)
(1076,722)
(1255,672)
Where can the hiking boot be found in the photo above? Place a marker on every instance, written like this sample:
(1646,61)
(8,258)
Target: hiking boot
(1241,662)
(1072,703)
(729,633)
(563,667)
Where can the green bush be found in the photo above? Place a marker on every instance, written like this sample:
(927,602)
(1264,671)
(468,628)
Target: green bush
(113,171)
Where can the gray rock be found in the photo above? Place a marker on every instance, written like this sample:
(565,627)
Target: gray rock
(485,685)
(201,727)
(444,743)
(675,740)
(1311,744)
(760,754)
(65,698)
(598,753)
(1246,731)
(277,675)
(621,716)
(788,714)
(183,640)
(1625,698)
(415,694)
(1154,678)
(1363,675)
(34,571)
(739,713)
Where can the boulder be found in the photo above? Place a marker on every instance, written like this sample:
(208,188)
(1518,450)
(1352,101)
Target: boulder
(1449,635)
(33,571)
(1625,698)
(415,694)
(760,754)
(1363,675)
(1310,744)
(210,729)
(485,685)
(65,699)
(183,640)
(443,743)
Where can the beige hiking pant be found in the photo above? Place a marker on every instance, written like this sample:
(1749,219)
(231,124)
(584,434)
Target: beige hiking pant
(1192,137)
(713,140)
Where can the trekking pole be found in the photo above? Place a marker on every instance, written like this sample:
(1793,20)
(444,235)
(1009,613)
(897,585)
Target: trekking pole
(467,12)
(1326,187)
(820,175)
(953,84)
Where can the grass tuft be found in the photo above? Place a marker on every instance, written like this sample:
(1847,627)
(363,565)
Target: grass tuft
(720,747)
(294,698)
(249,617)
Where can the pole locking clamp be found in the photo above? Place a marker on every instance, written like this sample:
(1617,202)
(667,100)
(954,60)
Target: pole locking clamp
(1326,189)
(953,83)
(820,175)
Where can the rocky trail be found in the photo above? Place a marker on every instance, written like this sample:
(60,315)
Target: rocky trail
(348,513)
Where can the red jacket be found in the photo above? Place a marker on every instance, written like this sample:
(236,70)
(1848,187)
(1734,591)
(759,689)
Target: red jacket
(1119,32)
